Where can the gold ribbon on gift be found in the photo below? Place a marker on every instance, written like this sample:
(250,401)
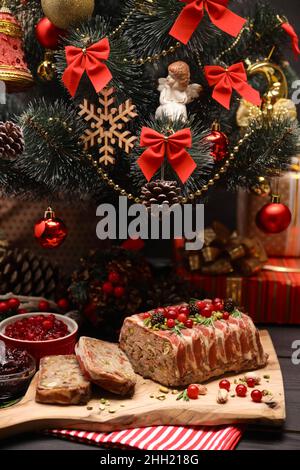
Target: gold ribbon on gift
(224,252)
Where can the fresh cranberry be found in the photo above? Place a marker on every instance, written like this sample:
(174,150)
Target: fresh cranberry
(114,277)
(193,392)
(44,306)
(251,382)
(182,318)
(160,311)
(200,305)
(171,313)
(241,390)
(256,396)
(107,288)
(13,303)
(47,324)
(189,323)
(4,307)
(146,315)
(119,292)
(21,311)
(206,312)
(225,316)
(218,306)
(185,310)
(225,384)
(63,304)
(171,323)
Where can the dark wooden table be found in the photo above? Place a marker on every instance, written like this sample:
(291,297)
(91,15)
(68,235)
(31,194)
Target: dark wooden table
(254,438)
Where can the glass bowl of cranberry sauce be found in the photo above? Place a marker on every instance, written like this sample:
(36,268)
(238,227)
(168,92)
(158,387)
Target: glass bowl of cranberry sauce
(17,368)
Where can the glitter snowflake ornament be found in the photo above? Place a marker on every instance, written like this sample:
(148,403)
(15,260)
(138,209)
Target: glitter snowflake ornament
(107,126)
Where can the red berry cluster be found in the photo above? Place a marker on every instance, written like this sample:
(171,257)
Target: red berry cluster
(175,315)
(112,286)
(206,308)
(37,328)
(10,305)
(241,389)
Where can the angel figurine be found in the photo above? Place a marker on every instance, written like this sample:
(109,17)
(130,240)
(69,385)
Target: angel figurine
(176,92)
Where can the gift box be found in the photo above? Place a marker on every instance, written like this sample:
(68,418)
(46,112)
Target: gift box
(286,243)
(271,296)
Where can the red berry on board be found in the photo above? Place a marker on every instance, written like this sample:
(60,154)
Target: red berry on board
(119,292)
(146,315)
(200,304)
(241,390)
(189,323)
(114,277)
(256,396)
(4,307)
(107,288)
(22,310)
(206,312)
(225,316)
(224,384)
(182,318)
(44,306)
(251,382)
(171,323)
(14,303)
(193,392)
(185,310)
(63,304)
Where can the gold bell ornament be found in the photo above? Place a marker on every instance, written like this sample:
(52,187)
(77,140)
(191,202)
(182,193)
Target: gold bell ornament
(275,101)
(14,71)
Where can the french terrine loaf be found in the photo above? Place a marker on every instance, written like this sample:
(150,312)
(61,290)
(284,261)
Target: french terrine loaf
(182,356)
(61,381)
(105,365)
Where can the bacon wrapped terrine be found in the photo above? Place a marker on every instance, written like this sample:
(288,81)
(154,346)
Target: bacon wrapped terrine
(183,355)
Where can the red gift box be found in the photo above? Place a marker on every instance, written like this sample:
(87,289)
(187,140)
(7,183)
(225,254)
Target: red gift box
(271,296)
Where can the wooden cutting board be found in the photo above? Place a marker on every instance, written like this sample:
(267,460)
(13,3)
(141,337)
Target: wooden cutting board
(144,410)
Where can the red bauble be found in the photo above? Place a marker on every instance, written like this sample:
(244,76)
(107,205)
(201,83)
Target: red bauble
(48,34)
(219,141)
(273,217)
(50,232)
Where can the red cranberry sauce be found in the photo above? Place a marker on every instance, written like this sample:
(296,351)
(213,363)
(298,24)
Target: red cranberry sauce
(37,328)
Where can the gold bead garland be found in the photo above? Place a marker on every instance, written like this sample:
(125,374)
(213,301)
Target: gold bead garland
(191,196)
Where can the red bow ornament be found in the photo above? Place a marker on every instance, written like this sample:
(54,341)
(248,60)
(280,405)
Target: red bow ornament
(173,146)
(192,14)
(288,28)
(87,60)
(227,80)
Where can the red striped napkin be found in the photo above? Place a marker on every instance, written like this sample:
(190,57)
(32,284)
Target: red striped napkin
(161,438)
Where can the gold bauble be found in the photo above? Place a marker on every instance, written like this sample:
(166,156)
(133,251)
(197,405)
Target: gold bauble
(64,13)
(285,107)
(246,112)
(47,69)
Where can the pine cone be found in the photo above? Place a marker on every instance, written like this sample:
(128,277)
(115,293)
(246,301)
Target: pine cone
(24,273)
(11,140)
(161,192)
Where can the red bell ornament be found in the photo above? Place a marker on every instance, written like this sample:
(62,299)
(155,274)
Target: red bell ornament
(48,35)
(273,217)
(50,232)
(219,142)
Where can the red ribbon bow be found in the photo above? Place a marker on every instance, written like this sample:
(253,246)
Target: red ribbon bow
(192,15)
(87,60)
(174,147)
(227,80)
(288,28)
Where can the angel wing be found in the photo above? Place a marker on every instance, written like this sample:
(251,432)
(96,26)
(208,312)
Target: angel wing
(161,84)
(193,91)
